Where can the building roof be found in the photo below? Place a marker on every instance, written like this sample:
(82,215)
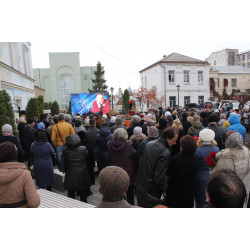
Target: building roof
(230,69)
(176,58)
(244,52)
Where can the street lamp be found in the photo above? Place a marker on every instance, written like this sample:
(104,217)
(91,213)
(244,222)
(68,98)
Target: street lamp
(178,89)
(112,90)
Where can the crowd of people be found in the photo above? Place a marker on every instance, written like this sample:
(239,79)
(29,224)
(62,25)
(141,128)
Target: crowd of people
(172,157)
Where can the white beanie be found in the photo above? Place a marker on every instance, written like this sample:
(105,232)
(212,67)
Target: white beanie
(113,118)
(105,117)
(207,135)
(167,113)
(148,115)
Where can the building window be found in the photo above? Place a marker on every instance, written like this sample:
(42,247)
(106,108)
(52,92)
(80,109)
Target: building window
(231,58)
(243,57)
(186,75)
(248,56)
(234,83)
(239,58)
(248,64)
(201,99)
(171,76)
(145,82)
(200,76)
(66,86)
(214,62)
(142,81)
(186,100)
(243,65)
(172,101)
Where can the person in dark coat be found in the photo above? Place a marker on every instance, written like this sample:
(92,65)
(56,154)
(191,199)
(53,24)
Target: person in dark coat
(28,139)
(220,133)
(185,123)
(21,125)
(136,122)
(92,148)
(204,119)
(74,165)
(102,143)
(176,148)
(162,125)
(41,154)
(153,134)
(151,180)
(181,173)
(118,124)
(122,154)
(8,136)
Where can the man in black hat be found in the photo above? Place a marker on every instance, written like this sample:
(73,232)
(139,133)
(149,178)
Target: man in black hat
(220,133)
(28,139)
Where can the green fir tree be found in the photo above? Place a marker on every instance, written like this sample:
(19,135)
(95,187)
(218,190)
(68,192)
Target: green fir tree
(99,85)
(33,109)
(125,101)
(54,108)
(6,111)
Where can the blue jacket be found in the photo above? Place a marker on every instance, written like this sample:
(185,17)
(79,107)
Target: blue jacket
(42,153)
(203,152)
(234,120)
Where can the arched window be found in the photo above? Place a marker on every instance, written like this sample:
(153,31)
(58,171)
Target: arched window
(66,85)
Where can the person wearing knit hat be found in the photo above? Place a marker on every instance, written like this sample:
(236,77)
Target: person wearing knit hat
(9,137)
(153,134)
(236,158)
(136,122)
(167,113)
(16,185)
(220,133)
(114,183)
(206,145)
(137,138)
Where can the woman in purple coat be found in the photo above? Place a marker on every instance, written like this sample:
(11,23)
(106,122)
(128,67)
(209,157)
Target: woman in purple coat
(42,153)
(122,154)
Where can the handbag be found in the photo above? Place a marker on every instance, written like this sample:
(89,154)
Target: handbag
(60,136)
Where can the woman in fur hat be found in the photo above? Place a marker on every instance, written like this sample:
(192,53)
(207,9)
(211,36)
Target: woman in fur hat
(235,157)
(206,144)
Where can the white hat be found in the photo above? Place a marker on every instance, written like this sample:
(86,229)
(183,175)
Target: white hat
(167,113)
(207,135)
(148,115)
(113,118)
(104,117)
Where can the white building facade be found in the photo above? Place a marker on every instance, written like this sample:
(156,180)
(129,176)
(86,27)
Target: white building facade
(192,75)
(16,75)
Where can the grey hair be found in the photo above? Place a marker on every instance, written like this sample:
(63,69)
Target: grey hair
(121,134)
(118,121)
(67,118)
(196,118)
(61,117)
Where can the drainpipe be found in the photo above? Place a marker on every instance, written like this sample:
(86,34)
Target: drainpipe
(165,84)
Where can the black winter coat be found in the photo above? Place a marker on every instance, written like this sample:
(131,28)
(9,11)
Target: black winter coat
(186,125)
(28,137)
(102,143)
(151,180)
(181,185)
(220,134)
(123,155)
(74,162)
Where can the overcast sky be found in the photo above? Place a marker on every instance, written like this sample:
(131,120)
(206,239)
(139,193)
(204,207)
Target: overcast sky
(126,36)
